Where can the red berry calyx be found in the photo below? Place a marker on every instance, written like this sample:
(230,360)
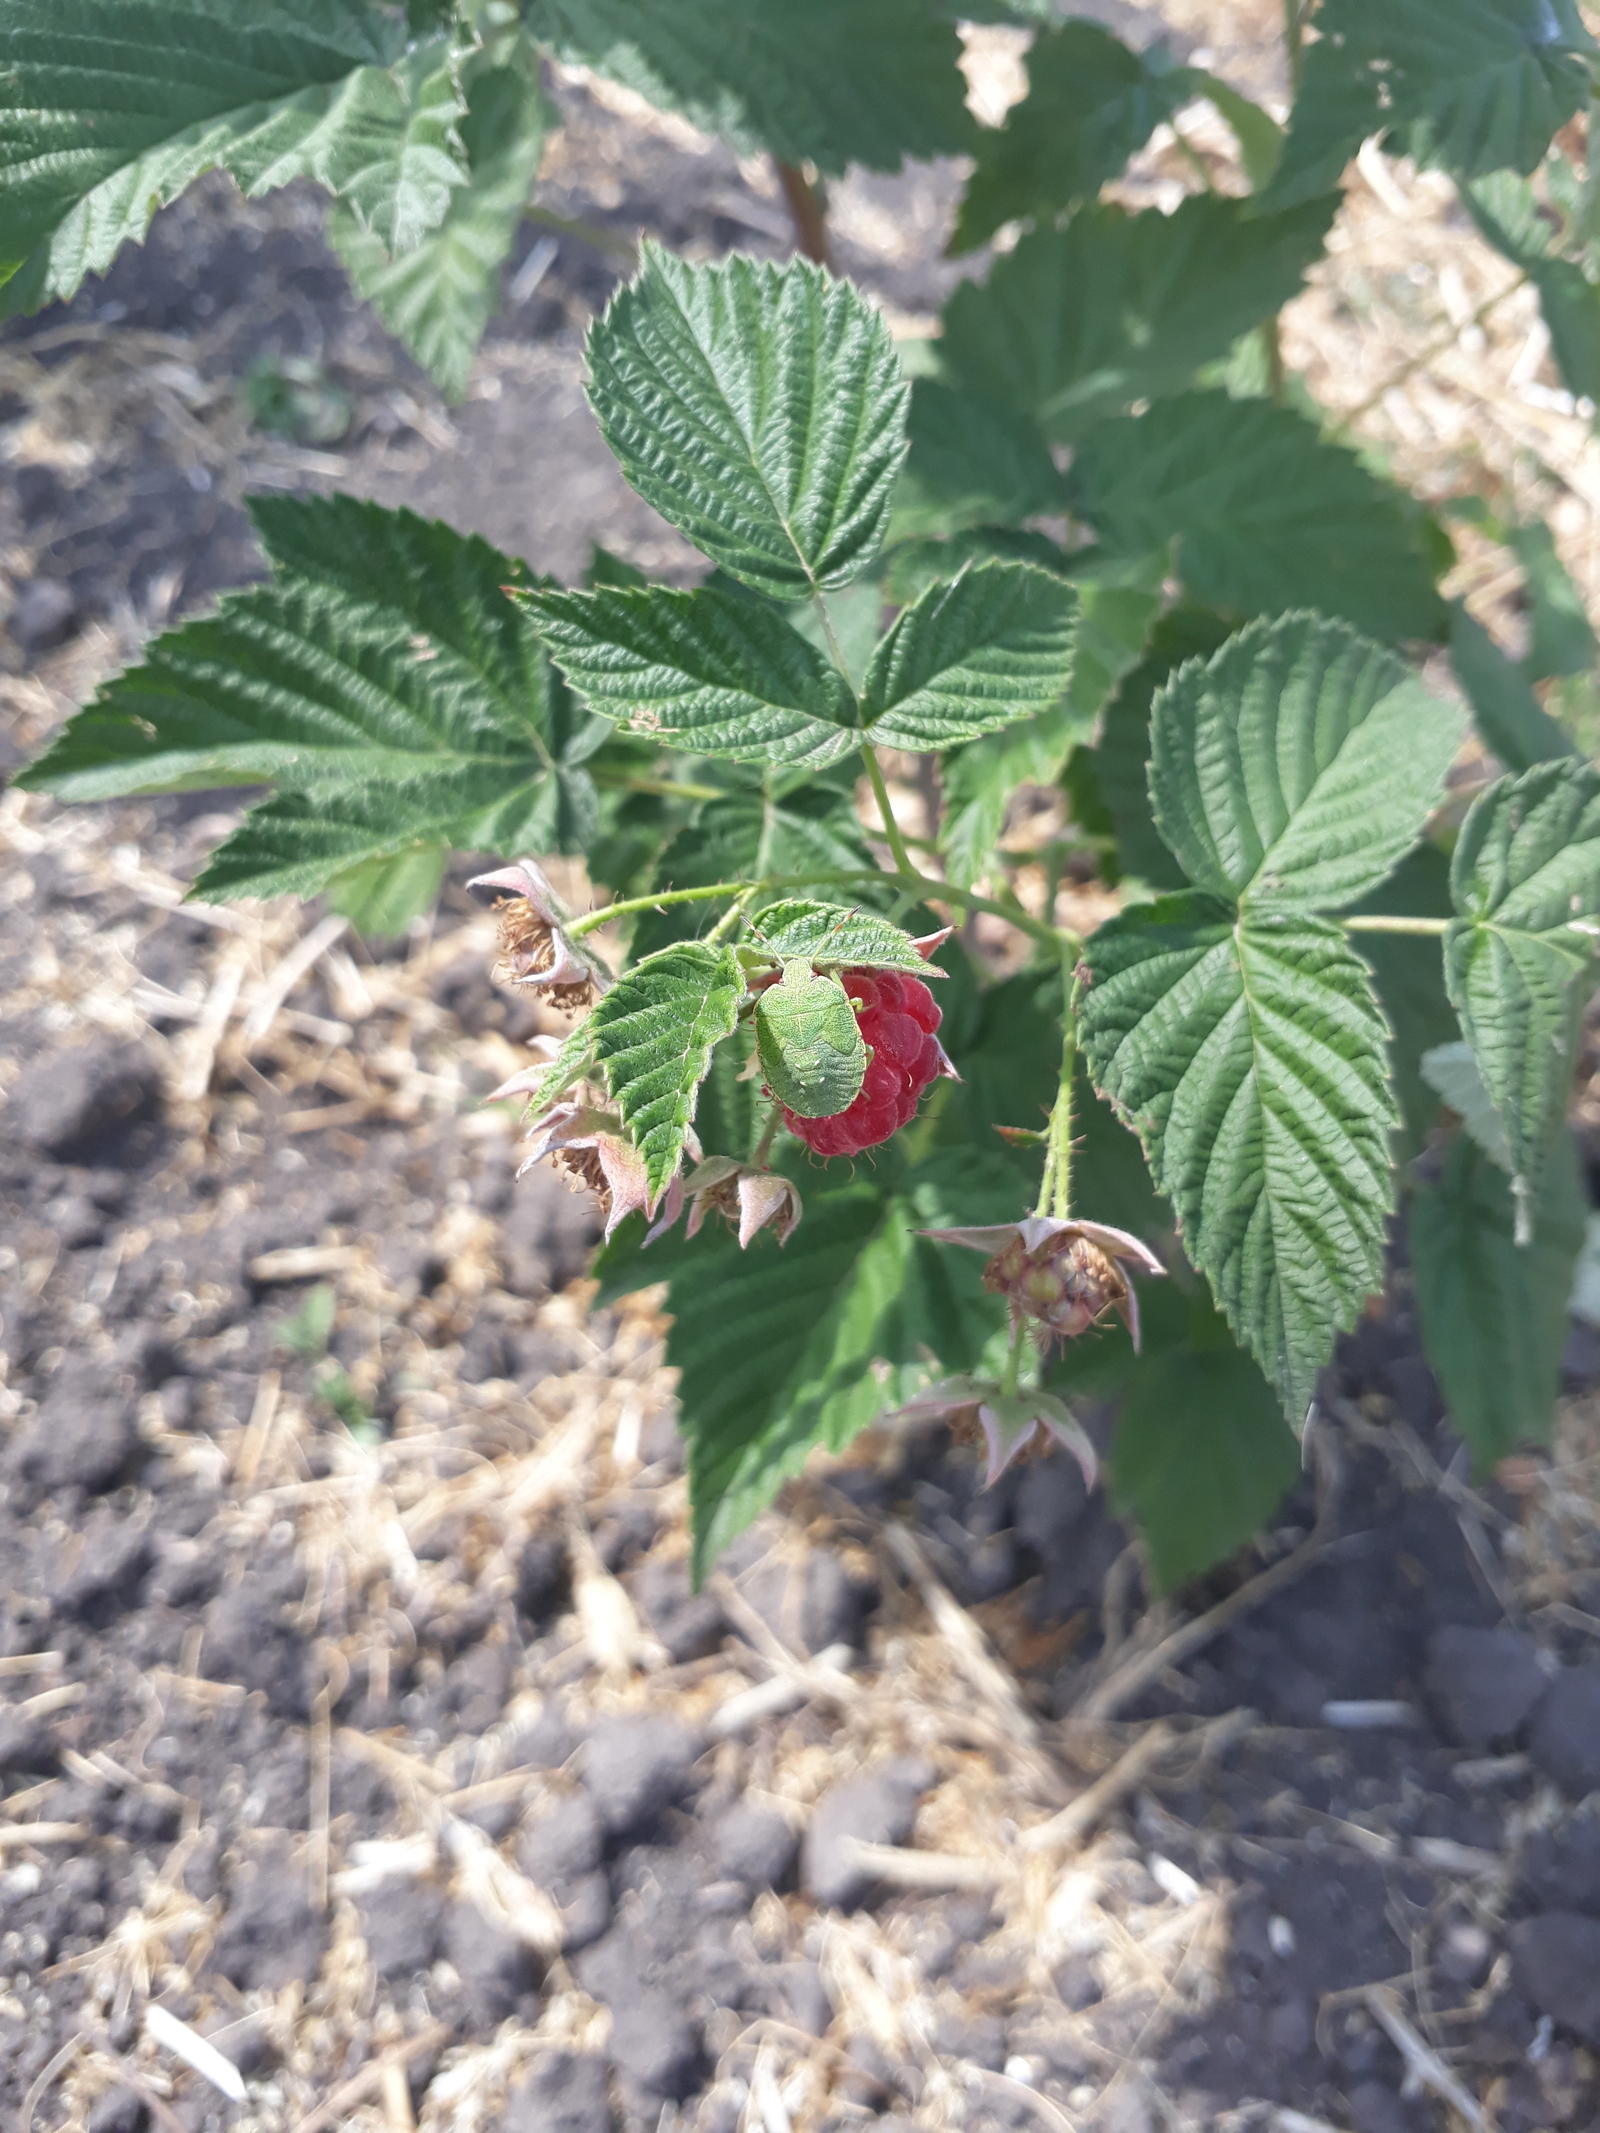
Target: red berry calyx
(897,1016)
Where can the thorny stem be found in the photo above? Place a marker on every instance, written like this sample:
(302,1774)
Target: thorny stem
(1055,1188)
(891,828)
(1382,923)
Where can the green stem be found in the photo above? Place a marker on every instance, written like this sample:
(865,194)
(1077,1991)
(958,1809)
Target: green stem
(891,828)
(1013,1367)
(591,233)
(730,918)
(1055,1188)
(835,652)
(924,887)
(667,788)
(1381,923)
(763,1147)
(657,902)
(1294,25)
(1421,359)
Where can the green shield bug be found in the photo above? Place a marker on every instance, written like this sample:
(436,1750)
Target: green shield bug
(811,1048)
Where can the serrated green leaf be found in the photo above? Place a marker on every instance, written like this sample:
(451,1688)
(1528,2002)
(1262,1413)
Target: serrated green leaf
(109,108)
(1298,765)
(1525,880)
(833,83)
(761,409)
(653,1036)
(438,297)
(1248,1054)
(1091,104)
(715,675)
(1493,1312)
(1477,85)
(972,463)
(1266,515)
(1080,322)
(833,939)
(972,656)
(1122,755)
(1201,1457)
(784,1351)
(980,778)
(1451,1072)
(1505,710)
(381,679)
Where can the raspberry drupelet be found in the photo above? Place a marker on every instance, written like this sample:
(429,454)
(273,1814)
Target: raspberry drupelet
(897,1017)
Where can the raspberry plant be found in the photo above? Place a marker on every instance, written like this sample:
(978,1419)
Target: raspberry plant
(1090,541)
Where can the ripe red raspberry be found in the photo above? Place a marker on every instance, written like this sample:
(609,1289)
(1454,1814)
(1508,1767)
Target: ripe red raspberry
(897,1017)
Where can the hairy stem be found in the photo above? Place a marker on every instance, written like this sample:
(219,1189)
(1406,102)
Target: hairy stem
(1381,923)
(730,918)
(891,828)
(769,1132)
(1055,1188)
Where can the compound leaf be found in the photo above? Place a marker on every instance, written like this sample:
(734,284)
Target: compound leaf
(654,1032)
(1266,515)
(381,678)
(1298,765)
(717,675)
(438,298)
(1248,1053)
(833,83)
(969,657)
(1078,323)
(109,108)
(762,409)
(1091,104)
(1525,881)
(823,934)
(1493,1312)
(1477,85)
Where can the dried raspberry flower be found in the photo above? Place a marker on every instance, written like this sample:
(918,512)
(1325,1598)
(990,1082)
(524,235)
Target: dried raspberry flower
(534,948)
(1013,1425)
(746,1197)
(588,1142)
(1062,1274)
(897,1016)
